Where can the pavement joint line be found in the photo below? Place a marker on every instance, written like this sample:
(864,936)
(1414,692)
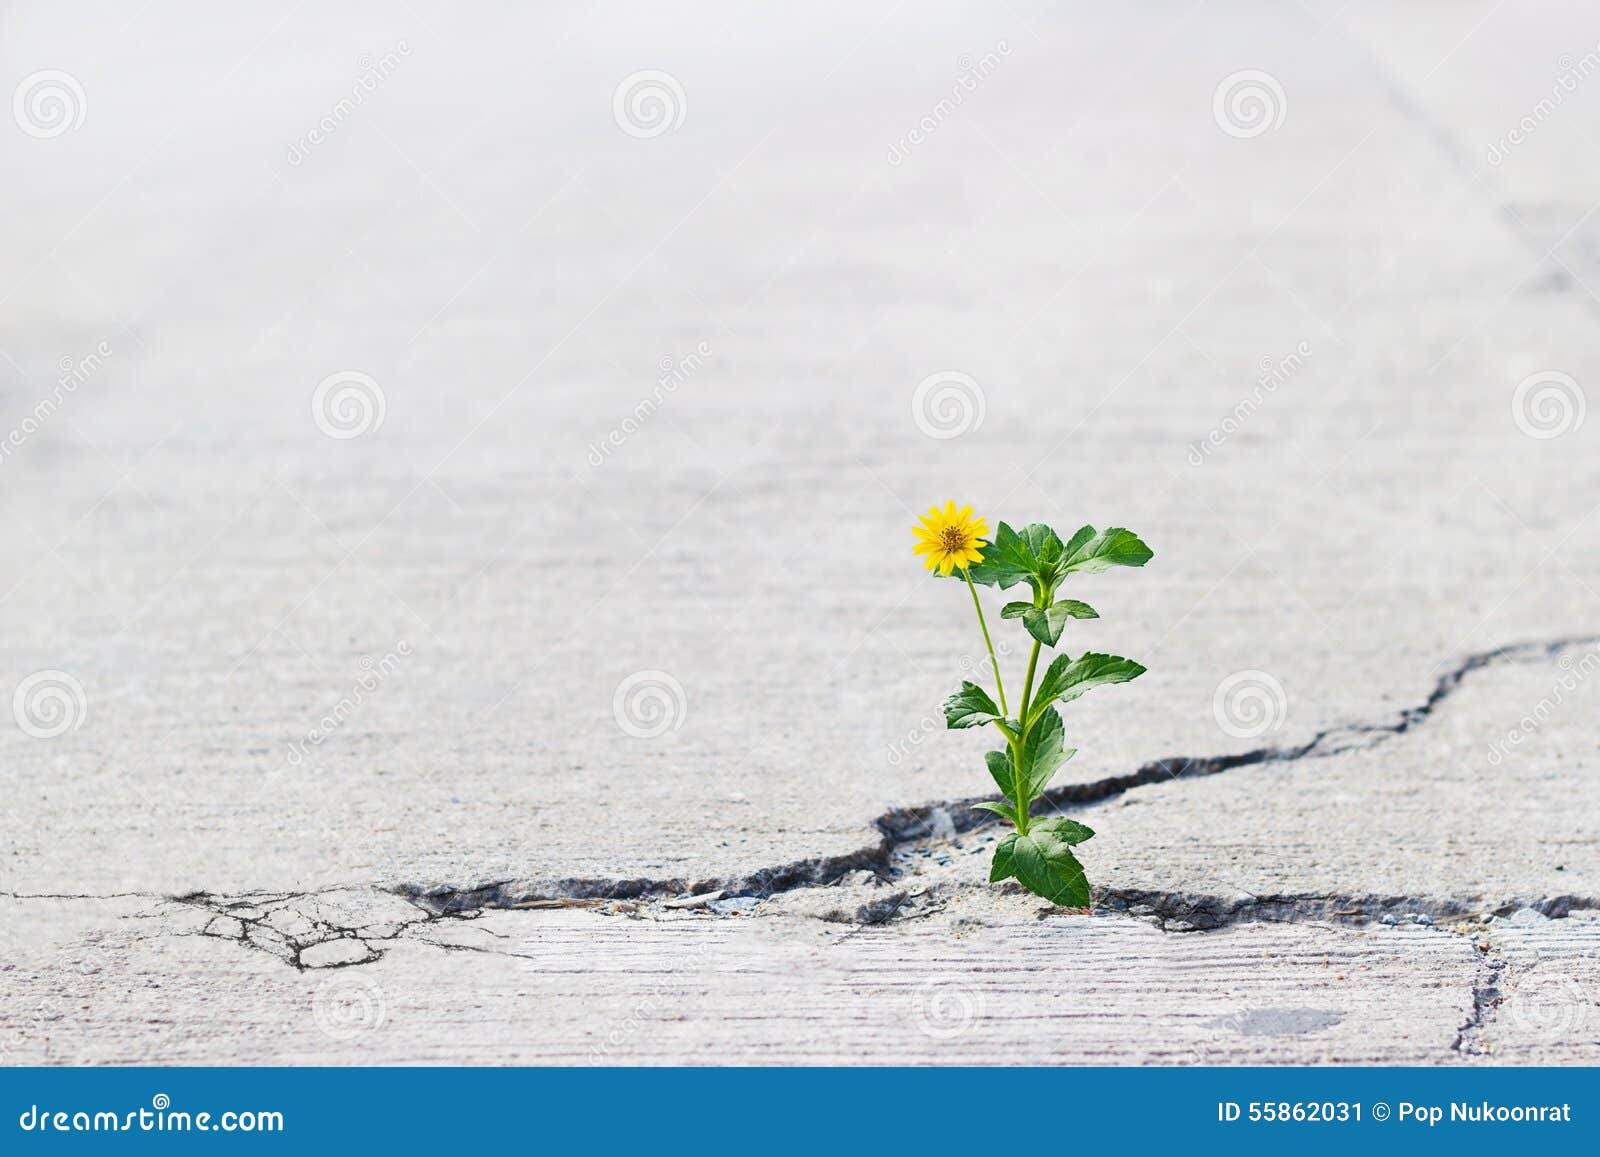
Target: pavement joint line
(1487,995)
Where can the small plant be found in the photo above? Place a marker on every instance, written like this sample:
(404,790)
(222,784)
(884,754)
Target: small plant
(1038,855)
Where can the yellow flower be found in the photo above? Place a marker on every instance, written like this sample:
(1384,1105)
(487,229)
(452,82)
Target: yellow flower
(950,538)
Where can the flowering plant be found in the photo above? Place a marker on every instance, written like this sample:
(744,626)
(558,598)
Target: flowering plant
(1038,854)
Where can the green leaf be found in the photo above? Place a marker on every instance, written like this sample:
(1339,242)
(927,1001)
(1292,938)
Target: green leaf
(1091,551)
(970,707)
(1015,610)
(1075,609)
(999,809)
(1002,868)
(999,764)
(1007,560)
(1042,755)
(1065,830)
(1042,861)
(1066,679)
(1046,623)
(1037,555)
(1046,547)
(1044,752)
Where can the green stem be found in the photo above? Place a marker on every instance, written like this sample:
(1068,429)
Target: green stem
(993,662)
(1041,598)
(1027,689)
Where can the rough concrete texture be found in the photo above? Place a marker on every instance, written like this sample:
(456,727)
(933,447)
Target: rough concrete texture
(292,706)
(585,988)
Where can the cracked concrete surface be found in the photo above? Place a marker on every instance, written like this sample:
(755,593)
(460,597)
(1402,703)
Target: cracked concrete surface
(486,857)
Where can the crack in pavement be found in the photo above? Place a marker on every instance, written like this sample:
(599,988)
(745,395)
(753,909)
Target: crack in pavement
(945,820)
(332,928)
(343,926)
(1493,968)
(1197,912)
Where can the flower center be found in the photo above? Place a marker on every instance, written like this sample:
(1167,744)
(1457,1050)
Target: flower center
(953,538)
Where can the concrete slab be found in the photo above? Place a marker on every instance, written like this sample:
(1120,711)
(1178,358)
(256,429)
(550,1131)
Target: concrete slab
(216,573)
(584,988)
(499,498)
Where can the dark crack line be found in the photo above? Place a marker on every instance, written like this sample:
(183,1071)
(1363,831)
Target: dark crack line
(1486,998)
(935,822)
(308,926)
(905,825)
(1199,912)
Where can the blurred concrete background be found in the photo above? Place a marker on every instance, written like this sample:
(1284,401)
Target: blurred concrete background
(474,451)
